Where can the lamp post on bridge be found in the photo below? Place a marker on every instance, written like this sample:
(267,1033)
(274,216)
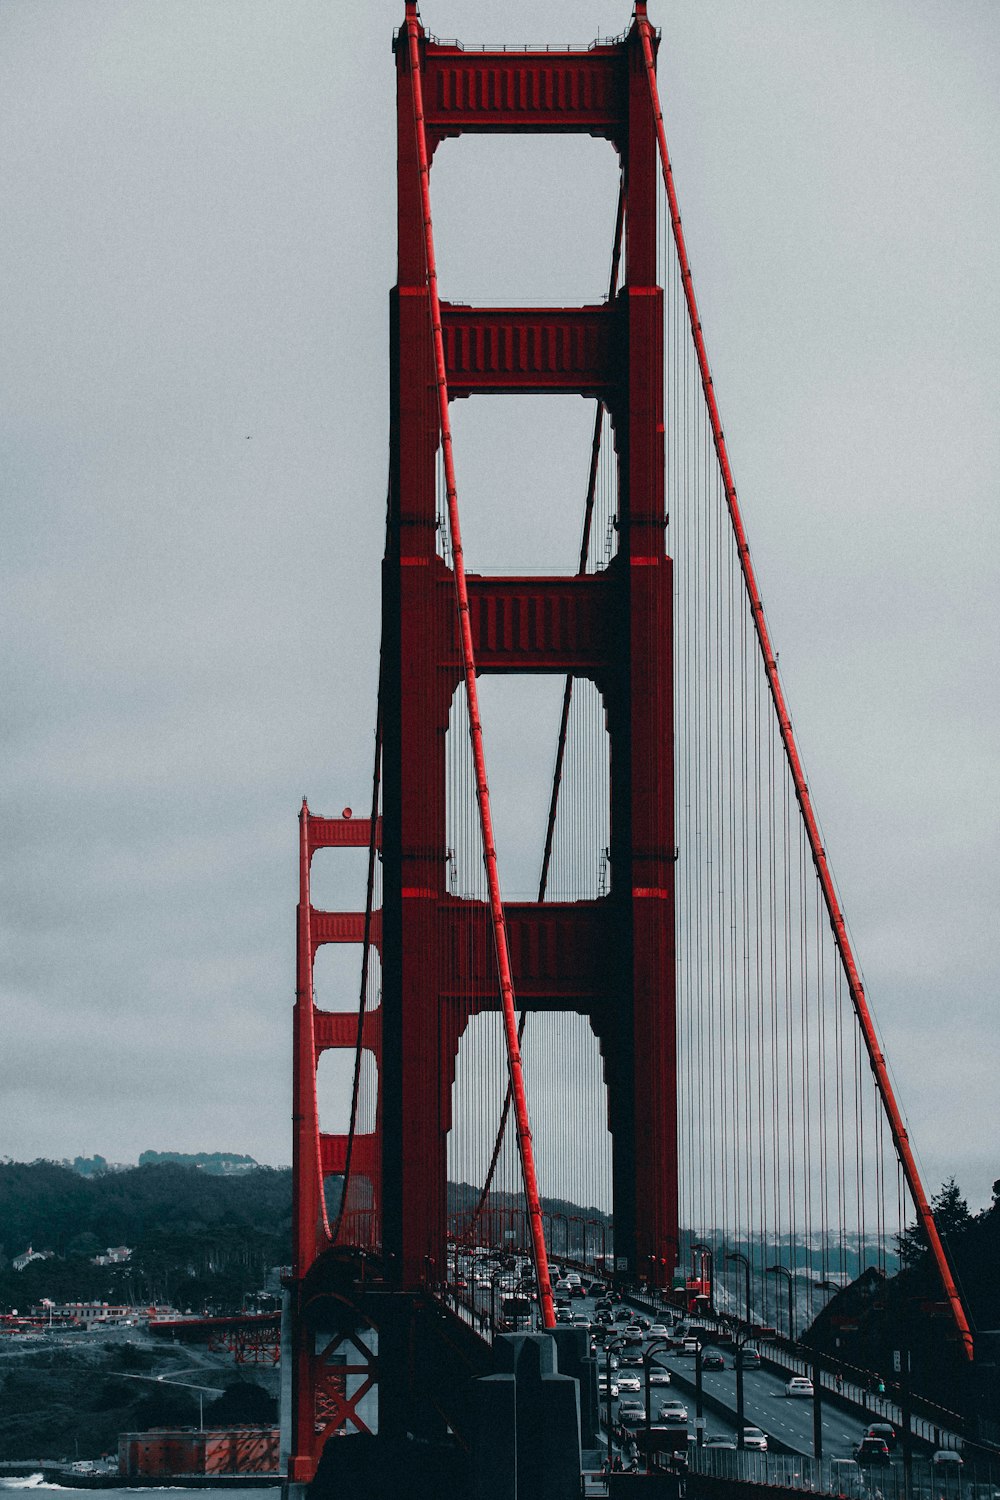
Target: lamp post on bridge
(741,1259)
(609,1349)
(495,1280)
(647,1360)
(706,1253)
(789,1278)
(742,1337)
(576,1219)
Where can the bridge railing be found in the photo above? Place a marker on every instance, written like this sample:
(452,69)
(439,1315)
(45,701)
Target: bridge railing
(842,1477)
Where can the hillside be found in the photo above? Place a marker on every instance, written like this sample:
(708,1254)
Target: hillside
(196,1239)
(867,1322)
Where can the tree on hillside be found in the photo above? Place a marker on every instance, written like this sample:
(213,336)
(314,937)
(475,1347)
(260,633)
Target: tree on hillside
(952,1217)
(243,1401)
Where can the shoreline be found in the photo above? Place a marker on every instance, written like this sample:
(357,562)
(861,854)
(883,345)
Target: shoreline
(68,1478)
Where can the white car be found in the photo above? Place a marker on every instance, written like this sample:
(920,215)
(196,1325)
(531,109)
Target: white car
(629,1383)
(673,1411)
(799,1385)
(754,1438)
(607,1388)
(658,1376)
(659,1331)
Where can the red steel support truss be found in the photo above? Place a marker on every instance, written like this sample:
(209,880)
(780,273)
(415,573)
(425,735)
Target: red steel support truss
(318,1402)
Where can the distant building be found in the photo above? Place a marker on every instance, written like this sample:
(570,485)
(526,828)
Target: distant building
(20,1261)
(114,1255)
(166,1453)
(86,1314)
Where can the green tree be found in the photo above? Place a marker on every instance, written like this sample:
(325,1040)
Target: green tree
(952,1217)
(243,1401)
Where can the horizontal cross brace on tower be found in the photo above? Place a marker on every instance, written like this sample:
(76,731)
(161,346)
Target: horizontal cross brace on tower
(500,92)
(532,350)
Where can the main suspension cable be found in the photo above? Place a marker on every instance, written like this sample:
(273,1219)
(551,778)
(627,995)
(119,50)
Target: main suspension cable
(499,926)
(856,989)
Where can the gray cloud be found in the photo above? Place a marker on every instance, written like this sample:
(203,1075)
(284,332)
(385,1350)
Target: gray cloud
(196,255)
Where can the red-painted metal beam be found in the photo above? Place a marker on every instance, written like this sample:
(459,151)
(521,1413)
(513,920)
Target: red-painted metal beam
(346,832)
(568,350)
(522,90)
(876,1057)
(333,1029)
(542,624)
(343,1154)
(539,1253)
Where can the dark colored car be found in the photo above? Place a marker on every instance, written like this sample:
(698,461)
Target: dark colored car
(872,1450)
(751,1359)
(883,1430)
(712,1360)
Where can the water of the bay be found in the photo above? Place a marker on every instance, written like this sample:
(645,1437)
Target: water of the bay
(36,1485)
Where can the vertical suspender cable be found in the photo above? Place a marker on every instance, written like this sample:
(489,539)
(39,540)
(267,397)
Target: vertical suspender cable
(499,925)
(878,1064)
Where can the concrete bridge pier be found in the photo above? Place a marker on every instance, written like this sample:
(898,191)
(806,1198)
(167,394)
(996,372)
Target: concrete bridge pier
(527,1422)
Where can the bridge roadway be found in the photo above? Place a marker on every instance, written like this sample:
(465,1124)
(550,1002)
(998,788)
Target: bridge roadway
(786,1418)
(766,1405)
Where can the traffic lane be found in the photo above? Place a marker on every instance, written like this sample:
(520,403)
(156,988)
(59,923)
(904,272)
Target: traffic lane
(765,1404)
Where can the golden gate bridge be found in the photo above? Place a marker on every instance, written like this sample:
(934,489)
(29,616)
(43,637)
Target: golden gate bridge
(673,1027)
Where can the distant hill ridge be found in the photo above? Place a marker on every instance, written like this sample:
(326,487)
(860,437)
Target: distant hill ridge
(217,1163)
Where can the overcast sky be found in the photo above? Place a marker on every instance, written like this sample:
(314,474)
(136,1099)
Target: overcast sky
(196,248)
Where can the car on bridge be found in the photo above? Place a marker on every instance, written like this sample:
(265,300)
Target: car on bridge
(629,1422)
(754,1438)
(606,1388)
(659,1331)
(718,1440)
(883,1430)
(658,1375)
(673,1411)
(629,1383)
(799,1385)
(872,1450)
(712,1360)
